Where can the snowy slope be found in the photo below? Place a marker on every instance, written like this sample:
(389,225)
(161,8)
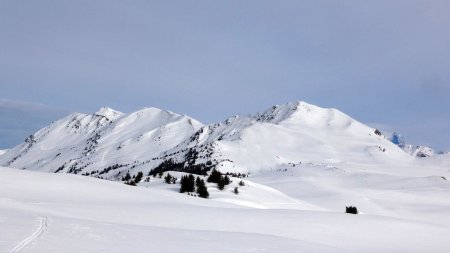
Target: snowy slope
(2,151)
(419,151)
(107,144)
(292,133)
(81,143)
(44,212)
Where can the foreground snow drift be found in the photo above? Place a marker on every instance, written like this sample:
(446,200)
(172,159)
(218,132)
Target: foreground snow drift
(42,212)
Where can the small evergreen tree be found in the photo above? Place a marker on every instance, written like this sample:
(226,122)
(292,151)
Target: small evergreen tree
(241,183)
(214,177)
(187,183)
(168,178)
(226,180)
(127,177)
(351,209)
(201,188)
(236,190)
(183,183)
(198,181)
(221,184)
(139,176)
(191,185)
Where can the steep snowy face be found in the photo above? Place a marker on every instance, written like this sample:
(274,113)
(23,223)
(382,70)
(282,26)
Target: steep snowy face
(142,137)
(63,137)
(109,113)
(277,113)
(293,133)
(109,143)
(93,144)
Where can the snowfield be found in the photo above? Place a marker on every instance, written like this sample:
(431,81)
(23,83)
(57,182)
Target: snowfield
(290,209)
(304,165)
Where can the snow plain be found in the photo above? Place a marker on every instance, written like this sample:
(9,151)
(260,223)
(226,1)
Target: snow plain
(289,209)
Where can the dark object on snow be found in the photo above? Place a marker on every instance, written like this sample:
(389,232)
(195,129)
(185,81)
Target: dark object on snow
(219,179)
(187,183)
(201,188)
(138,177)
(168,178)
(351,209)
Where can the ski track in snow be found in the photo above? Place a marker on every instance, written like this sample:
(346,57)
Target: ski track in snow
(36,234)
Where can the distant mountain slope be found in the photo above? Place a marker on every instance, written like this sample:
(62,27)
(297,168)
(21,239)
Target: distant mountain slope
(292,133)
(85,143)
(108,143)
(414,150)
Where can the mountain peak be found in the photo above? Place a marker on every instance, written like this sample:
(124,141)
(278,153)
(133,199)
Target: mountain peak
(279,113)
(108,113)
(154,112)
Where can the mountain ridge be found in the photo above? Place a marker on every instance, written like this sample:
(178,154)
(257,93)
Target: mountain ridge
(414,150)
(109,143)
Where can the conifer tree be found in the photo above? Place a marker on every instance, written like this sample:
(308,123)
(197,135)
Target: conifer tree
(226,180)
(201,188)
(127,177)
(187,183)
(191,183)
(197,181)
(139,177)
(214,177)
(221,184)
(168,178)
(351,209)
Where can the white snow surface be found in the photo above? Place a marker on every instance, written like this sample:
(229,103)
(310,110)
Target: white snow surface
(2,151)
(419,151)
(305,165)
(296,208)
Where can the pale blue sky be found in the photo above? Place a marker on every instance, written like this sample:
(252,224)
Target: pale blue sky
(382,62)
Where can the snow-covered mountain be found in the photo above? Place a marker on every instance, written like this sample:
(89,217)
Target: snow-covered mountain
(292,133)
(414,150)
(2,151)
(108,143)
